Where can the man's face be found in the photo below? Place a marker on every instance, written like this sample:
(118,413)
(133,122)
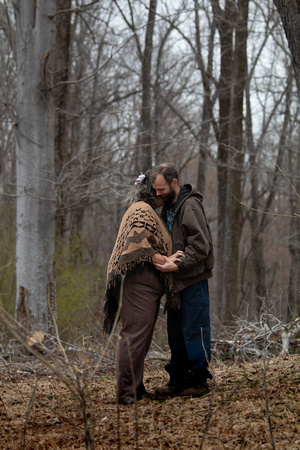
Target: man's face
(165,191)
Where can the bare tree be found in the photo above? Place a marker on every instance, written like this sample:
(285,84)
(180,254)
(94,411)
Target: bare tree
(144,141)
(207,113)
(232,26)
(146,125)
(289,11)
(294,240)
(163,81)
(60,92)
(35,252)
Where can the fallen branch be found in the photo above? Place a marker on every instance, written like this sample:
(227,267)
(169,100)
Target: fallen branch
(251,340)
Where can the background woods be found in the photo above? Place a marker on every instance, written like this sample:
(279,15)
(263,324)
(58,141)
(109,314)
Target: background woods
(95,92)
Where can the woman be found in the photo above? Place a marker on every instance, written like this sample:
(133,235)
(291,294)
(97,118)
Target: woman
(142,241)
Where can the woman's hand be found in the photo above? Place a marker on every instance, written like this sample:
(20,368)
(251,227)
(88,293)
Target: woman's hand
(167,266)
(157,258)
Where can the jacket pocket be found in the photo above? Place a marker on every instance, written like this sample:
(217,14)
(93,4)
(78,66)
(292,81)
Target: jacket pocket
(209,262)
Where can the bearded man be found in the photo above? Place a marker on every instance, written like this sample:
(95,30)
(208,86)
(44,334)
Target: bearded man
(189,324)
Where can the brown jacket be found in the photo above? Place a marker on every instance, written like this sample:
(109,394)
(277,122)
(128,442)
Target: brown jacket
(191,234)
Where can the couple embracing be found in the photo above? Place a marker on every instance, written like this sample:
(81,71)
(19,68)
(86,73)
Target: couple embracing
(169,254)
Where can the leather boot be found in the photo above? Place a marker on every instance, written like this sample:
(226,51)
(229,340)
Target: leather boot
(196,384)
(178,382)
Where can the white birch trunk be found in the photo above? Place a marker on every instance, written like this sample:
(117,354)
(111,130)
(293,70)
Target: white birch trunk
(35,252)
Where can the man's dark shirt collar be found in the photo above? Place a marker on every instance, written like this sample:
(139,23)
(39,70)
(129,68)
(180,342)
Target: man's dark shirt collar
(184,192)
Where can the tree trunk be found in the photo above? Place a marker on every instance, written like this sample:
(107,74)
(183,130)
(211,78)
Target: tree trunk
(289,11)
(294,239)
(258,279)
(232,26)
(35,252)
(236,161)
(61,75)
(145,139)
(207,115)
(224,20)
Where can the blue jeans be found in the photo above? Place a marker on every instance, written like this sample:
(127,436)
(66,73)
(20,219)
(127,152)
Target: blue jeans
(189,332)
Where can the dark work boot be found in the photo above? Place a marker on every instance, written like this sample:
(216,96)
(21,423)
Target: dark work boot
(197,391)
(177,383)
(197,383)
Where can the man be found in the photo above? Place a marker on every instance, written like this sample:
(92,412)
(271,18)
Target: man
(188,326)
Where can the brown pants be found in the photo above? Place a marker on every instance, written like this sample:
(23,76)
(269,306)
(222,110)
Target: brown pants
(140,305)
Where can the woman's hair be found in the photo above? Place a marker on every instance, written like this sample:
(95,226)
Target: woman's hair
(142,191)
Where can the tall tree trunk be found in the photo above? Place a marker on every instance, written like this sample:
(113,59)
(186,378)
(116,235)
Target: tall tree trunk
(35,250)
(236,161)
(224,20)
(61,75)
(145,139)
(294,239)
(289,11)
(207,114)
(203,145)
(232,26)
(258,286)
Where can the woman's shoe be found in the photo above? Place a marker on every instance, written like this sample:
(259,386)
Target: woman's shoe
(126,399)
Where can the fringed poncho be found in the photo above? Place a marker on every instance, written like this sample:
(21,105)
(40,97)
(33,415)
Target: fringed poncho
(141,234)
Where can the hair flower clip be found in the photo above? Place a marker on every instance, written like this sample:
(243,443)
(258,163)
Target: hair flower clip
(140,179)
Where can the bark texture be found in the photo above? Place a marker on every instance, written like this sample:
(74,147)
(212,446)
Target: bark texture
(60,92)
(35,164)
(232,26)
(145,147)
(289,11)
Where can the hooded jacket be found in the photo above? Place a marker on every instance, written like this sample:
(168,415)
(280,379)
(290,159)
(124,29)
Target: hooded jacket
(191,234)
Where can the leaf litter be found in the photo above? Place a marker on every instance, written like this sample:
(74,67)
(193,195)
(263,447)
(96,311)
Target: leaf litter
(250,405)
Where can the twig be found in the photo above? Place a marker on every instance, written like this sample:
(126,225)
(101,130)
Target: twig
(117,370)
(210,411)
(267,403)
(55,327)
(210,414)
(32,399)
(89,441)
(68,374)
(134,390)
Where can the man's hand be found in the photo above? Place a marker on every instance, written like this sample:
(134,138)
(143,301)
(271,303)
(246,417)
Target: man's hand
(176,256)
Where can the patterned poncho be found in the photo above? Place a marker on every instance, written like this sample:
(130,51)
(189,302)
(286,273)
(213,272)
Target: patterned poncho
(141,234)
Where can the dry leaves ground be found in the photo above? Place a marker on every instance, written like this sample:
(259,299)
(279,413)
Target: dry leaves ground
(37,410)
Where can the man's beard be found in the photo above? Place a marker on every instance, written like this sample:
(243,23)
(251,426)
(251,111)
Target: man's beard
(169,197)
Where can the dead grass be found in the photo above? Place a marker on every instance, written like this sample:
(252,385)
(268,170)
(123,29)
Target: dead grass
(37,411)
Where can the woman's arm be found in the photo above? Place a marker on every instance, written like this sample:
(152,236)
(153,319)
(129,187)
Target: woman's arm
(165,264)
(157,258)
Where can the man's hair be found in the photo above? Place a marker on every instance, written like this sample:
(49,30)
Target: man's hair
(143,191)
(167,170)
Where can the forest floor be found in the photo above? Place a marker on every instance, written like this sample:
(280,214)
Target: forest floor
(253,405)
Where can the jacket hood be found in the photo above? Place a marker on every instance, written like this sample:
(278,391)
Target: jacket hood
(187,190)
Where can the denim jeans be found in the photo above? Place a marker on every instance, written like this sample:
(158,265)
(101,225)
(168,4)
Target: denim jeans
(189,332)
